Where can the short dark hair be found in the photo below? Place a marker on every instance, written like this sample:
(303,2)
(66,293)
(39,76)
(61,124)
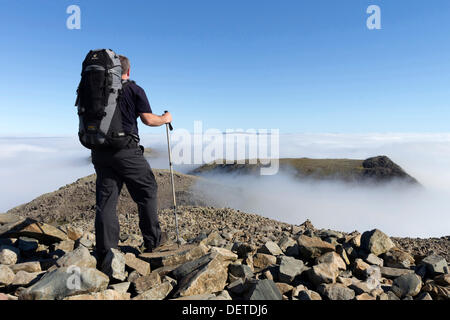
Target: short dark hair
(125,64)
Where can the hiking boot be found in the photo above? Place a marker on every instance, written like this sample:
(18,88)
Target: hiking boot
(163,241)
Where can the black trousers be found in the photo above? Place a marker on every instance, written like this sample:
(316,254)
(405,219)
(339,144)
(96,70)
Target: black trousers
(113,168)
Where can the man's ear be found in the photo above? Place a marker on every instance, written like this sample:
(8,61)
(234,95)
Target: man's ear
(128,73)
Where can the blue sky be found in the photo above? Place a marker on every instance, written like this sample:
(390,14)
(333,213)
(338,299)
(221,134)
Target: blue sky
(300,66)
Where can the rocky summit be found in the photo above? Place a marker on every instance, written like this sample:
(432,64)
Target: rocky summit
(225,255)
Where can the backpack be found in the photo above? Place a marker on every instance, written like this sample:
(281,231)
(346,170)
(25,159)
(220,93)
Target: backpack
(98,96)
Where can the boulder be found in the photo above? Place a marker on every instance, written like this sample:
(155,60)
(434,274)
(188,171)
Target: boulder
(225,254)
(222,295)
(108,294)
(243,250)
(270,248)
(6,275)
(64,282)
(307,295)
(43,232)
(424,296)
(327,234)
(162,271)
(290,268)
(142,267)
(240,271)
(436,291)
(345,281)
(333,259)
(374,260)
(190,266)
(213,239)
(74,233)
(343,254)
(396,258)
(365,296)
(23,278)
(313,247)
(322,273)
(65,245)
(336,291)
(407,285)
(33,266)
(114,265)
(373,273)
(159,292)
(376,242)
(286,242)
(392,273)
(353,239)
(391,296)
(121,287)
(175,255)
(284,287)
(209,278)
(435,264)
(238,286)
(262,260)
(9,255)
(361,287)
(263,290)
(80,257)
(84,242)
(443,279)
(360,267)
(145,283)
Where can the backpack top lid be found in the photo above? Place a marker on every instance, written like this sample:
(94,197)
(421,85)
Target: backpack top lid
(103,57)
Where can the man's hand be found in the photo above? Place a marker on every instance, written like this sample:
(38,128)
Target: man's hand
(154,120)
(167,117)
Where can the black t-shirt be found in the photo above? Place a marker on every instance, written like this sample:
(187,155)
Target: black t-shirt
(134,101)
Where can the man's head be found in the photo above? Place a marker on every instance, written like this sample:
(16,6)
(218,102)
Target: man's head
(125,67)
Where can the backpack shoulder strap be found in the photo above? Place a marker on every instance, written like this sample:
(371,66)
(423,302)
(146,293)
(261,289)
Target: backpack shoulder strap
(127,82)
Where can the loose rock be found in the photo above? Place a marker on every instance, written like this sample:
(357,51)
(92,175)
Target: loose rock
(6,275)
(313,247)
(336,291)
(376,242)
(8,255)
(407,285)
(142,267)
(290,268)
(64,282)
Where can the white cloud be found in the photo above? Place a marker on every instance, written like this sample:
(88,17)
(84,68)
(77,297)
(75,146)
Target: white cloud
(32,166)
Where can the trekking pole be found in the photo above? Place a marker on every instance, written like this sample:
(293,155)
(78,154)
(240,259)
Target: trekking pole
(169,126)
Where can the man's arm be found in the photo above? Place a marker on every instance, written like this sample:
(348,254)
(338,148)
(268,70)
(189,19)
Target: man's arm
(154,120)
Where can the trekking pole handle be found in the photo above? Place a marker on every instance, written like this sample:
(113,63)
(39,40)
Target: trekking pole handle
(170,124)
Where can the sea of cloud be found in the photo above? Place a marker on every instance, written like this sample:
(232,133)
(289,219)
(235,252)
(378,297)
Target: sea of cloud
(30,167)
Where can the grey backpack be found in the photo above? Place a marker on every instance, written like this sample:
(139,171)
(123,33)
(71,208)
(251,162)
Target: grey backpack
(98,96)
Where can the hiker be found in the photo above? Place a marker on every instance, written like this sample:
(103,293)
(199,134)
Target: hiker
(114,167)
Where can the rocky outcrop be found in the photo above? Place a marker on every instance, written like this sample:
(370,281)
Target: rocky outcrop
(226,255)
(375,169)
(383,169)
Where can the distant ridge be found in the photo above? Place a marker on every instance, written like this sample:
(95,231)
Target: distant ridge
(376,169)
